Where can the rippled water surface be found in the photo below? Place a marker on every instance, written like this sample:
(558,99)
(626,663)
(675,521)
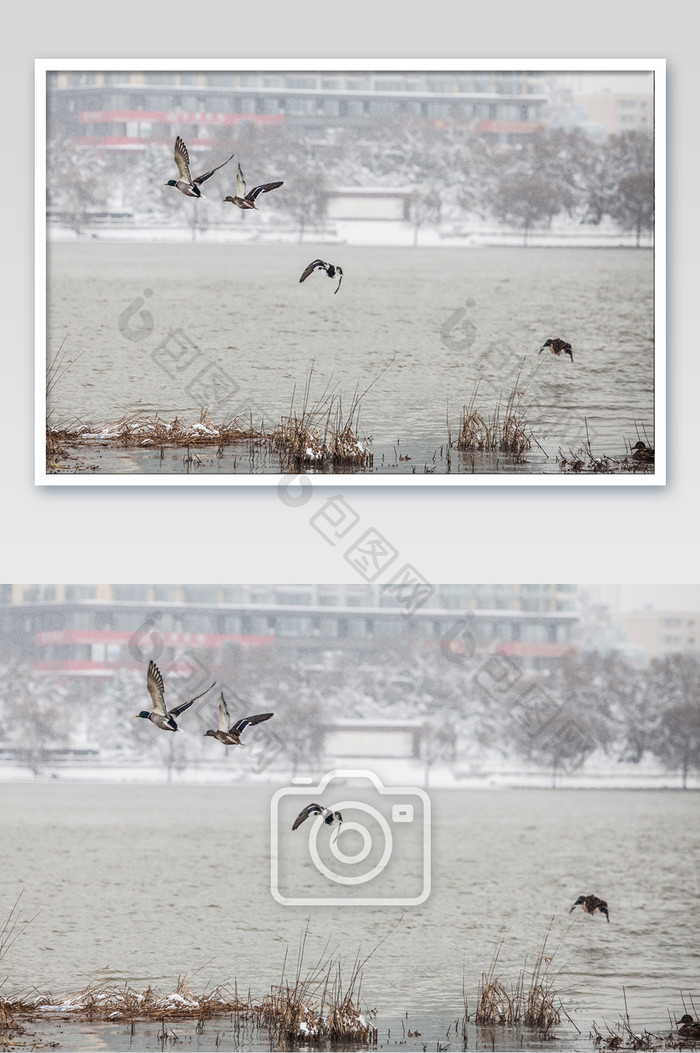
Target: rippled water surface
(442,317)
(142,884)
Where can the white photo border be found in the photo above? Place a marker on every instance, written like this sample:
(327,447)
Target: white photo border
(628,65)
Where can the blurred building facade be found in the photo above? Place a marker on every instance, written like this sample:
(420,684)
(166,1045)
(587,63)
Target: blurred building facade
(94,629)
(130,110)
(659,632)
(616,112)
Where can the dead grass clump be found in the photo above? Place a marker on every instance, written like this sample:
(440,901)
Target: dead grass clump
(11,929)
(8,1025)
(154,431)
(105,1001)
(539,1000)
(318,1006)
(140,430)
(306,442)
(623,1037)
(527,1004)
(506,428)
(493,1003)
(322,435)
(639,458)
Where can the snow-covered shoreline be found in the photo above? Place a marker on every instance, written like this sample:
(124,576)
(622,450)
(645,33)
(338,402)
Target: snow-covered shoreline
(385,233)
(643,776)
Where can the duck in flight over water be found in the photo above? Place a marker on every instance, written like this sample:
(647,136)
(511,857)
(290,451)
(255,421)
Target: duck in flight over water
(244,200)
(591,904)
(186,183)
(330,818)
(162,717)
(320,265)
(230,736)
(557,347)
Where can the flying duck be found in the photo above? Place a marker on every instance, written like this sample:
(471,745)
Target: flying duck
(557,347)
(162,717)
(690,1028)
(331,270)
(330,818)
(591,904)
(244,200)
(186,183)
(230,736)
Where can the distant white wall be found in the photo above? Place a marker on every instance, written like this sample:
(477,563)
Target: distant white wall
(365,207)
(368,743)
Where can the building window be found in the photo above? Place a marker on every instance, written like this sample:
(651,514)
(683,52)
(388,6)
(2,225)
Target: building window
(219,80)
(133,593)
(159,77)
(300,107)
(232,594)
(80,592)
(300,82)
(201,593)
(356,108)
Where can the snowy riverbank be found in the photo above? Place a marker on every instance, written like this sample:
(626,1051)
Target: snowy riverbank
(475,234)
(487,775)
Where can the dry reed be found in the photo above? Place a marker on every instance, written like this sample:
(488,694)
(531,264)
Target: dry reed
(584,460)
(141,430)
(12,928)
(532,1006)
(317,1007)
(323,435)
(622,1036)
(105,1001)
(505,429)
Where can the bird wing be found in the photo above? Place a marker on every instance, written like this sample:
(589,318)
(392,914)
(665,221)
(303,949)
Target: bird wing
(182,160)
(177,710)
(201,178)
(245,721)
(240,183)
(224,719)
(156,689)
(262,189)
(311,268)
(311,809)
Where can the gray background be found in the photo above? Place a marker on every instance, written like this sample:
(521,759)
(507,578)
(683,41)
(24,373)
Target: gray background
(496,533)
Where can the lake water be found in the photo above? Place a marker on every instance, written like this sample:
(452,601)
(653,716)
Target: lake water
(167,329)
(142,884)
